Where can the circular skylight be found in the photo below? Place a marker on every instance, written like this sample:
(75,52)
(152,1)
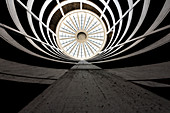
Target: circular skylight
(81,34)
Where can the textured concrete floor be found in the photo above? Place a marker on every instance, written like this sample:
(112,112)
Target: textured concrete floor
(145,74)
(90,91)
(96,91)
(152,71)
(14,71)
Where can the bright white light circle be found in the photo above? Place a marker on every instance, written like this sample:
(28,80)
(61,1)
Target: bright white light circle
(81,34)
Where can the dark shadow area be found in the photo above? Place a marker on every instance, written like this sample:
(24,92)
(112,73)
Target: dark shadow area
(157,55)
(8,52)
(161,91)
(15,95)
(164,81)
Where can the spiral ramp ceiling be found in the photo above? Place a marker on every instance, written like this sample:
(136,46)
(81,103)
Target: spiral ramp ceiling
(82,33)
(109,30)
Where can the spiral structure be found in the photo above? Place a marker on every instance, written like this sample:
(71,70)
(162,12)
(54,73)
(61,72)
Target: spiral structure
(84,56)
(94,30)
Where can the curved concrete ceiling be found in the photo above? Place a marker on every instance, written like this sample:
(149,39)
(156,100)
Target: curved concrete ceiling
(124,22)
